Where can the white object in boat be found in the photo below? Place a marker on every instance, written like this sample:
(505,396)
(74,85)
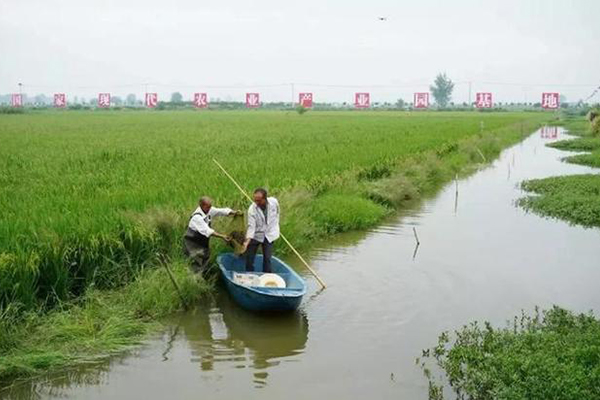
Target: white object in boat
(271,280)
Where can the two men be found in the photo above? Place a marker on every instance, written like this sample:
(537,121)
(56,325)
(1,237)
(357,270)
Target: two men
(263,230)
(197,237)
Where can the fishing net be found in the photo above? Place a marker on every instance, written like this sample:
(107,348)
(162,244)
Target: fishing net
(237,234)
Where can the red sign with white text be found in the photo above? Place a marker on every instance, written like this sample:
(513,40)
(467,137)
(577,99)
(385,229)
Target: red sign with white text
(104,100)
(550,101)
(60,100)
(252,100)
(421,100)
(16,100)
(200,100)
(483,100)
(151,100)
(362,100)
(306,100)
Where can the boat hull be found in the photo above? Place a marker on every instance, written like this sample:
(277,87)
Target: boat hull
(261,298)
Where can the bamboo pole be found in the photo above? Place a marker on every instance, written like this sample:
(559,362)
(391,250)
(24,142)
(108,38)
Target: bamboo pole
(312,271)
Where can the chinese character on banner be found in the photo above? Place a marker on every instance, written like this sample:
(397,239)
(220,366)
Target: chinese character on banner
(151,100)
(252,100)
(16,100)
(362,100)
(550,101)
(549,132)
(200,100)
(60,100)
(306,100)
(104,100)
(483,100)
(421,100)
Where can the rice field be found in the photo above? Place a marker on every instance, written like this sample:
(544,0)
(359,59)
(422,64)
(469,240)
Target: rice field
(93,197)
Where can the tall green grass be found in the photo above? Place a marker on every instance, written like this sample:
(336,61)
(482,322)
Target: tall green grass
(92,199)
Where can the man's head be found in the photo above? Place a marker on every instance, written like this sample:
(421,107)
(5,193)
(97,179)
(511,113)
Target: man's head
(260,197)
(205,203)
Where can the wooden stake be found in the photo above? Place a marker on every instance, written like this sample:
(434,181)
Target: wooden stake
(416,236)
(312,271)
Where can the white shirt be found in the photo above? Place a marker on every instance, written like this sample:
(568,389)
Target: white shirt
(200,222)
(258,228)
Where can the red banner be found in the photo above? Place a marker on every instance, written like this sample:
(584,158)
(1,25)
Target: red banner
(421,100)
(550,101)
(16,100)
(483,100)
(104,100)
(306,100)
(60,100)
(252,100)
(200,100)
(151,100)
(362,100)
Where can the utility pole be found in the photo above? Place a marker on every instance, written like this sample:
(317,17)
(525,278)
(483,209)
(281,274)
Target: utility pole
(293,100)
(469,93)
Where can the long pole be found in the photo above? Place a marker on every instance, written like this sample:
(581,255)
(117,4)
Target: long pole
(312,271)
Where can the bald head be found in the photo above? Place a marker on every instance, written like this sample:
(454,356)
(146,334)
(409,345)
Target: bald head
(205,203)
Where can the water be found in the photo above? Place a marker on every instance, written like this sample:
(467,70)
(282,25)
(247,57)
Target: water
(480,258)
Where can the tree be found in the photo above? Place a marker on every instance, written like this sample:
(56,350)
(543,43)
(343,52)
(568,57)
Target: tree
(400,104)
(130,99)
(442,90)
(176,97)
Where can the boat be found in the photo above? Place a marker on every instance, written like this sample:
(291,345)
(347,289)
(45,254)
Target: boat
(259,298)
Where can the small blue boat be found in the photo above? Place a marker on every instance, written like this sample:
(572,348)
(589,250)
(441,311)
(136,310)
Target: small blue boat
(256,298)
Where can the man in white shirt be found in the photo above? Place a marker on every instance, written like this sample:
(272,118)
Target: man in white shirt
(263,228)
(199,231)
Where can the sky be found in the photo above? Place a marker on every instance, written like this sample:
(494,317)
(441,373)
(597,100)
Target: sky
(333,48)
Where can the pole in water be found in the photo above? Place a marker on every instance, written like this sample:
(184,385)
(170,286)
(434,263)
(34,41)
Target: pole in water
(416,236)
(456,195)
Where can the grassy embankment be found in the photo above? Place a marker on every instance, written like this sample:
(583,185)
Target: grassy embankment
(550,355)
(574,198)
(92,202)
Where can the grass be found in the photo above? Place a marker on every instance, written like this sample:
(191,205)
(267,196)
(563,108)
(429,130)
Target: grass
(574,198)
(549,355)
(97,324)
(92,202)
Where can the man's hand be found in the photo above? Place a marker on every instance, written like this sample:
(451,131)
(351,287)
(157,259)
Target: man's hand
(236,213)
(221,236)
(246,242)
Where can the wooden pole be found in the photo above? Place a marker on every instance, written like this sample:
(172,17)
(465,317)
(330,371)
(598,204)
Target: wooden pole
(177,289)
(312,271)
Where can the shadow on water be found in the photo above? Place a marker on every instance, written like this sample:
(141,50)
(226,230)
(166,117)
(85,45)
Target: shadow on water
(480,258)
(226,333)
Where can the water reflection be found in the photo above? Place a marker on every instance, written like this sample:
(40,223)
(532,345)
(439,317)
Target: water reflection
(225,333)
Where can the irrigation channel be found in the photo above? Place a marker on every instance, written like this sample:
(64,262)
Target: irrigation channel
(480,258)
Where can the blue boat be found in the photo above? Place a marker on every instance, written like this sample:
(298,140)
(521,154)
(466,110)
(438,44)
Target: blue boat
(256,298)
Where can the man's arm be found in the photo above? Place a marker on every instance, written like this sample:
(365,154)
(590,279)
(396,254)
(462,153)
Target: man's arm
(251,227)
(198,224)
(218,212)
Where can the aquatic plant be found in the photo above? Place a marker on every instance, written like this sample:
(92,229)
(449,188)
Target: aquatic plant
(548,355)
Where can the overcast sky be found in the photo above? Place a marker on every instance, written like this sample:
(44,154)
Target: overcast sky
(515,49)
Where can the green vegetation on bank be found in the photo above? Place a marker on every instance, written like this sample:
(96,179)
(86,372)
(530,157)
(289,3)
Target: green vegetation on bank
(552,355)
(92,203)
(574,198)
(97,324)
